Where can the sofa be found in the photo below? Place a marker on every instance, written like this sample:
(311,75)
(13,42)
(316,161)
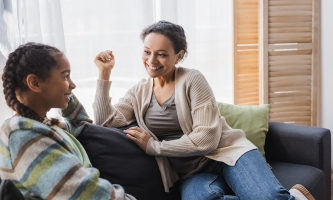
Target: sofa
(296,153)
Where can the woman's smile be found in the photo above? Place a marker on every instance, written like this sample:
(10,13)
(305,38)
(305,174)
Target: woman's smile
(154,68)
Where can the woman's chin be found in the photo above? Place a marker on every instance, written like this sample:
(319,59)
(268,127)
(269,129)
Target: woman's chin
(152,74)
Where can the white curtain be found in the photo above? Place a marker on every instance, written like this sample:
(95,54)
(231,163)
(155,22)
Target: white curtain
(209,29)
(27,21)
(89,27)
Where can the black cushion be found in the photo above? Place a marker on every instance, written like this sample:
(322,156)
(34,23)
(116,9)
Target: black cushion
(8,191)
(121,161)
(310,177)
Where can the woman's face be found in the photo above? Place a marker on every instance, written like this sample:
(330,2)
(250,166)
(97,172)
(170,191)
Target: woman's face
(159,57)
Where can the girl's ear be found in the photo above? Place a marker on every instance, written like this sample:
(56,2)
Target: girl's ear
(33,83)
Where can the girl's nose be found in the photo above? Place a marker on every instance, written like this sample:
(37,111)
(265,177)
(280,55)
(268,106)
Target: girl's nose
(72,85)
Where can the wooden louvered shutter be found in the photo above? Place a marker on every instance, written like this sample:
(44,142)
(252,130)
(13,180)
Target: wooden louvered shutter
(289,59)
(246,83)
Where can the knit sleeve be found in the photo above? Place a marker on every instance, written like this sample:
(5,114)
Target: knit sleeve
(203,128)
(75,116)
(106,114)
(44,168)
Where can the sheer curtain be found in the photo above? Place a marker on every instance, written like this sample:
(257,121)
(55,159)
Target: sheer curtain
(89,27)
(93,26)
(27,21)
(209,29)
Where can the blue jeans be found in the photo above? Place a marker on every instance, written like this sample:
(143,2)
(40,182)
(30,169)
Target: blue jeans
(250,178)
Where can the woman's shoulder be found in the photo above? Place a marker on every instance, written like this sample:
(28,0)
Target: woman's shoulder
(184,70)
(189,75)
(141,85)
(188,72)
(195,84)
(143,82)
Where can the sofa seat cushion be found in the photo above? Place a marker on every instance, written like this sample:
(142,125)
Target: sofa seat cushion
(121,161)
(310,177)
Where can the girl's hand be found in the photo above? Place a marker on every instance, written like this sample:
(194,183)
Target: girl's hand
(105,62)
(139,136)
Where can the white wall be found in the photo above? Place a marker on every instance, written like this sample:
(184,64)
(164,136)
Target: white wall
(327,65)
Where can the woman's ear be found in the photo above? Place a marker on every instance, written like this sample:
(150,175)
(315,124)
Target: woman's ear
(180,56)
(33,83)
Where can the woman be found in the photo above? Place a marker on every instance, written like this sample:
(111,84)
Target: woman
(40,155)
(179,124)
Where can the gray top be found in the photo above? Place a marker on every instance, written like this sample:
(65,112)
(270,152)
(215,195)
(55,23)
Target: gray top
(162,120)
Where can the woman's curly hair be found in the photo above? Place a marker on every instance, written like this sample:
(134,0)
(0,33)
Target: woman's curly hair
(30,58)
(174,32)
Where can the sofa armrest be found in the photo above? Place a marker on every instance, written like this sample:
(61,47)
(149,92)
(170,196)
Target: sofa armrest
(299,144)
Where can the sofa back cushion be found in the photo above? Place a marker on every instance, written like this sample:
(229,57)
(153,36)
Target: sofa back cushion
(253,120)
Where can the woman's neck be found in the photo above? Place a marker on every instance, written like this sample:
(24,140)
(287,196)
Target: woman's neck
(163,81)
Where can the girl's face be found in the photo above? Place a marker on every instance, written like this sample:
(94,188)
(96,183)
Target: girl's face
(56,90)
(159,57)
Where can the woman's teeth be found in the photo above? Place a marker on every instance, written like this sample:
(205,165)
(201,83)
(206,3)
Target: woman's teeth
(154,68)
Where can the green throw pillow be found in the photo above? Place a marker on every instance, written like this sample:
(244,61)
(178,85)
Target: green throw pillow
(253,120)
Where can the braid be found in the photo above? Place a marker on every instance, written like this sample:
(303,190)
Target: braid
(31,58)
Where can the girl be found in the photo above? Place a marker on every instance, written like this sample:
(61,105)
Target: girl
(40,155)
(180,124)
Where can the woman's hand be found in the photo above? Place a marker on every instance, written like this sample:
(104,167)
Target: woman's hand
(105,63)
(139,136)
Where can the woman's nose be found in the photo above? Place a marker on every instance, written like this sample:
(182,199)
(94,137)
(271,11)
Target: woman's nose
(151,59)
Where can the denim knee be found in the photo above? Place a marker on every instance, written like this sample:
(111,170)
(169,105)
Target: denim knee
(205,186)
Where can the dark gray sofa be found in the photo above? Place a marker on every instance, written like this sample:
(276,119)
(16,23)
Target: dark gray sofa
(297,154)
(301,154)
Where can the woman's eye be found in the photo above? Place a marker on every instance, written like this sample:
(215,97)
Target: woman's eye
(146,52)
(161,55)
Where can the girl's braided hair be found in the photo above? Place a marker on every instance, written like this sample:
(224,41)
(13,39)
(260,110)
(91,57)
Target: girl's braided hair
(30,58)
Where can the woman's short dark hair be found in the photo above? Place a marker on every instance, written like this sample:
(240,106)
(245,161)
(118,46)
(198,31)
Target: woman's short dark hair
(174,32)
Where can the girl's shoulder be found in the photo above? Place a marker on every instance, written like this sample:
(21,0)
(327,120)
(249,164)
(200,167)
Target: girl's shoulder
(19,123)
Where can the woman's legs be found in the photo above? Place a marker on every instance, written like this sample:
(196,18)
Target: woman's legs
(206,186)
(250,179)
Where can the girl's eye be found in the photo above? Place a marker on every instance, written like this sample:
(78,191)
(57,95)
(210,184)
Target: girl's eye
(146,52)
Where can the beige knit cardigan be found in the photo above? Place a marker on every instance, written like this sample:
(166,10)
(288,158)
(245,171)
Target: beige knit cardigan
(206,132)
